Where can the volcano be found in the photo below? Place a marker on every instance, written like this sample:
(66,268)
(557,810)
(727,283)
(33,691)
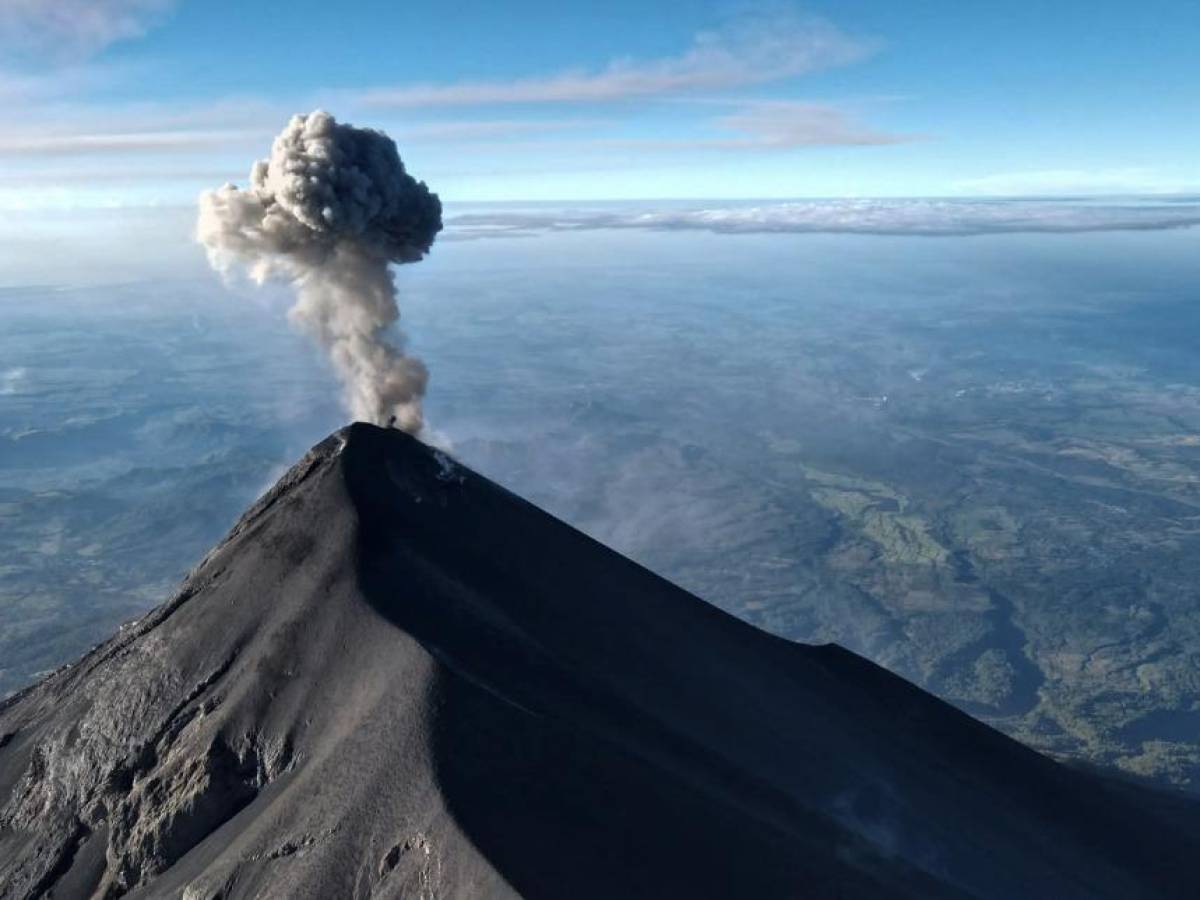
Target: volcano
(394,678)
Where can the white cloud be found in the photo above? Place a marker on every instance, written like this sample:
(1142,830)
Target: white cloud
(43,145)
(754,51)
(788,123)
(75,28)
(470,130)
(62,81)
(12,380)
(66,151)
(761,125)
(756,125)
(938,218)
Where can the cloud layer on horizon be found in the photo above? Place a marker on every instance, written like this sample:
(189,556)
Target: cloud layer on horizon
(933,218)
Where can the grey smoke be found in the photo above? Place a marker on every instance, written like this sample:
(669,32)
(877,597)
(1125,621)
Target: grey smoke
(329,212)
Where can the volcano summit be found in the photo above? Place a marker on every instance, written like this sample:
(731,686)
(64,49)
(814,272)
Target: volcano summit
(395,679)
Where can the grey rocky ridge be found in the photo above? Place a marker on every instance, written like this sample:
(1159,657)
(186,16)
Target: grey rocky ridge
(396,679)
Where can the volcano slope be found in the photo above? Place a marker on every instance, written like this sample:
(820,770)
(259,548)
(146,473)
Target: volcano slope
(396,679)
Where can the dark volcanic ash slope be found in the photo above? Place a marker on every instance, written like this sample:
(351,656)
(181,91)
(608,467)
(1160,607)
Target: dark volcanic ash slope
(395,679)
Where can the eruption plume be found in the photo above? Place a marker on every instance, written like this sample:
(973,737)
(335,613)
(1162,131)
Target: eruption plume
(329,211)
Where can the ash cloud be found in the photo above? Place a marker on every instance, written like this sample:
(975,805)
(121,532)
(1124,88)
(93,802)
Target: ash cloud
(329,211)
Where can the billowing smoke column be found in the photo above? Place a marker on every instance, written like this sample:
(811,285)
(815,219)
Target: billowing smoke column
(330,211)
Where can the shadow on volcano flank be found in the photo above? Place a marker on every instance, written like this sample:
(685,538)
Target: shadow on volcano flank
(396,679)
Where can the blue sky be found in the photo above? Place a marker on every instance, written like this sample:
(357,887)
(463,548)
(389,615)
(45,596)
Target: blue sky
(146,102)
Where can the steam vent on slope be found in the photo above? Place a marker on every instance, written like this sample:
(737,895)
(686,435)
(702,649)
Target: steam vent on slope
(395,679)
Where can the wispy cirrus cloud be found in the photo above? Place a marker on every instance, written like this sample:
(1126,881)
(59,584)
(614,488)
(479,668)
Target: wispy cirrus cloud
(62,146)
(137,132)
(469,130)
(159,131)
(33,89)
(108,175)
(782,124)
(45,145)
(74,29)
(755,125)
(752,51)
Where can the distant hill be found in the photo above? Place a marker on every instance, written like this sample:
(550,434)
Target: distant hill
(396,679)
